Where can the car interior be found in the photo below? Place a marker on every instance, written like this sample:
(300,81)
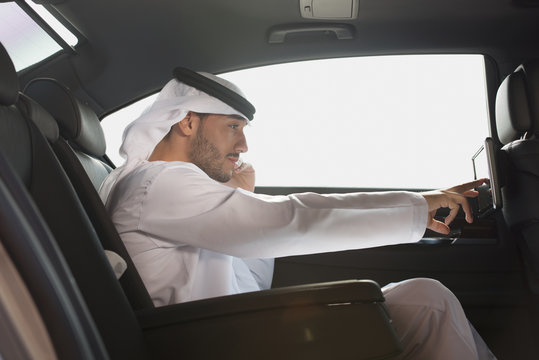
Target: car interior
(56,235)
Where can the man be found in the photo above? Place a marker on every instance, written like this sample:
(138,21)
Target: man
(185,209)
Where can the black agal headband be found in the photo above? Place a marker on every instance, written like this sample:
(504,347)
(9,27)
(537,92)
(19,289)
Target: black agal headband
(213,88)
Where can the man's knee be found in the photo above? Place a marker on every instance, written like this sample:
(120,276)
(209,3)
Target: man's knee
(420,292)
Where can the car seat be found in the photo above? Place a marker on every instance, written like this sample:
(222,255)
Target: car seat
(36,257)
(517,125)
(78,123)
(80,148)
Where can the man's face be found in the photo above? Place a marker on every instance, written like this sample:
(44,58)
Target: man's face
(217,145)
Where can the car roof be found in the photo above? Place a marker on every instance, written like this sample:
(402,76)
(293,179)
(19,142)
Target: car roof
(129,48)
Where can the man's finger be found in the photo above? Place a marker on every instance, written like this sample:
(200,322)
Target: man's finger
(439,227)
(454,210)
(243,166)
(471,194)
(467,186)
(461,200)
(467,210)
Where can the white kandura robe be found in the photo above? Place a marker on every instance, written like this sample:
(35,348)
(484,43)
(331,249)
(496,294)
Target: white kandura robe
(187,234)
(191,238)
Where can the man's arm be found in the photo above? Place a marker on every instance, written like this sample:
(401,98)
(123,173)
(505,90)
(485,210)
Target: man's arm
(452,198)
(186,207)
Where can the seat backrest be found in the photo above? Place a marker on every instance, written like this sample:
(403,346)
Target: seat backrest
(45,274)
(81,125)
(517,123)
(33,161)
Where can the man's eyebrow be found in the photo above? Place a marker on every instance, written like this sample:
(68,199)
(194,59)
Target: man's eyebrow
(238,118)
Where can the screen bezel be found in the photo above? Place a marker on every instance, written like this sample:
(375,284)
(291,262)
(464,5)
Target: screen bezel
(492,163)
(495,199)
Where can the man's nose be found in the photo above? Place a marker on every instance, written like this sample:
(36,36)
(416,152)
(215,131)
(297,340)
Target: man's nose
(241,145)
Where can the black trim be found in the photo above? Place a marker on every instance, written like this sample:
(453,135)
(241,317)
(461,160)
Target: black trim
(216,90)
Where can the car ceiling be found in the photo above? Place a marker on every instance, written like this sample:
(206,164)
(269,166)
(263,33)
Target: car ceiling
(131,47)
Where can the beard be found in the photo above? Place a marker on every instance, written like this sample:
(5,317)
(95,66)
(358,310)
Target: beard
(208,158)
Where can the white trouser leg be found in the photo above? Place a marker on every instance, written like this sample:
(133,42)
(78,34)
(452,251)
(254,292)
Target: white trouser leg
(429,321)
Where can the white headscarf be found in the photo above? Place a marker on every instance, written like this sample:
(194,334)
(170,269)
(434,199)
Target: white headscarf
(173,103)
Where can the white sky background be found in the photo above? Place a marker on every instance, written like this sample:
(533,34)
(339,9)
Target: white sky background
(373,122)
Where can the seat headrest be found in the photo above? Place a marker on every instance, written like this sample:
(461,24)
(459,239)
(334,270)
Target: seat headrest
(9,81)
(43,120)
(78,123)
(513,117)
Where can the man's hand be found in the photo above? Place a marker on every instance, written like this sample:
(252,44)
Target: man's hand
(451,198)
(243,177)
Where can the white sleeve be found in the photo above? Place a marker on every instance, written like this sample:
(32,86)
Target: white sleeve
(200,212)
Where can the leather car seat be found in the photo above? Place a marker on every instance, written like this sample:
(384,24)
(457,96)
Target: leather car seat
(517,125)
(79,147)
(78,123)
(34,163)
(47,279)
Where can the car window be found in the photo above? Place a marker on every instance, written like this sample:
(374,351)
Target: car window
(371,122)
(26,42)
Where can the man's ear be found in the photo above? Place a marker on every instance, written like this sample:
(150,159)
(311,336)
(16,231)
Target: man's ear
(189,124)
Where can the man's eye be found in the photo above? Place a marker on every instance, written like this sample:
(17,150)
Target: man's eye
(233,126)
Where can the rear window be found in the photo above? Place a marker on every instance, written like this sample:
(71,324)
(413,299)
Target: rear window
(25,41)
(372,122)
